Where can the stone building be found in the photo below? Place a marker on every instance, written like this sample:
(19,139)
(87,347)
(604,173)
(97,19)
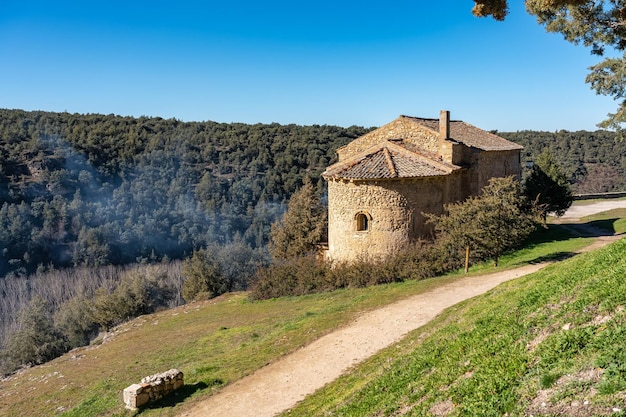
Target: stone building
(386,179)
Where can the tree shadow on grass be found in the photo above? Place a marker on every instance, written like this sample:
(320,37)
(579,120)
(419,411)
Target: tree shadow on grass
(595,228)
(566,231)
(180,395)
(553,257)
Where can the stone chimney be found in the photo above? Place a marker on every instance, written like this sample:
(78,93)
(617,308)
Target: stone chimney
(450,150)
(444,125)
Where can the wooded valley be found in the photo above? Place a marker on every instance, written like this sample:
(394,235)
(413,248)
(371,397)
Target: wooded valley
(102,193)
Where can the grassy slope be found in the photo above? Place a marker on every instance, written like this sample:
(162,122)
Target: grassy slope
(614,220)
(213,343)
(547,344)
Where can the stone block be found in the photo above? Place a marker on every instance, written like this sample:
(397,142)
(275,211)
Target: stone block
(153,388)
(130,395)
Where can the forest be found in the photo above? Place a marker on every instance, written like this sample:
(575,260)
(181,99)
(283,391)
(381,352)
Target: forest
(593,162)
(95,190)
(86,200)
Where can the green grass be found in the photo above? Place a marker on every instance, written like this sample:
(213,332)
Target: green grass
(551,244)
(612,220)
(549,333)
(217,342)
(213,343)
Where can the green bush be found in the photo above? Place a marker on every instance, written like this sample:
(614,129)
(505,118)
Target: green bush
(75,321)
(137,294)
(203,278)
(306,274)
(36,340)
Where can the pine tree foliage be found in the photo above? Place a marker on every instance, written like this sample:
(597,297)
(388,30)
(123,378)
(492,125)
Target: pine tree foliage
(505,219)
(487,225)
(457,227)
(547,186)
(303,226)
(36,340)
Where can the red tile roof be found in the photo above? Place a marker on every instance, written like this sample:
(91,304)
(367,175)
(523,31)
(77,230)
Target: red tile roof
(387,160)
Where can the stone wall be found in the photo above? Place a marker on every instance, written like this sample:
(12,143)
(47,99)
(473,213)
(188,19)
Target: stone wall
(394,209)
(402,128)
(493,164)
(153,388)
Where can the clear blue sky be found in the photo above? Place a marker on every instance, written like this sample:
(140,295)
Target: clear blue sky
(319,62)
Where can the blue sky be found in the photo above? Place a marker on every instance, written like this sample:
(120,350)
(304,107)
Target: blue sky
(323,62)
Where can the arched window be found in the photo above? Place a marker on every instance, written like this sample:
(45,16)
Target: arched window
(362,222)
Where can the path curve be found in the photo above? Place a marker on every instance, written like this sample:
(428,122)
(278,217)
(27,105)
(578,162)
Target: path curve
(280,385)
(576,212)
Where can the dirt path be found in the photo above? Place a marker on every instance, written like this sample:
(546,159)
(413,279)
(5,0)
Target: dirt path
(280,385)
(577,212)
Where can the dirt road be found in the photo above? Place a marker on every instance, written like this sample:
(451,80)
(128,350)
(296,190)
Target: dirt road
(577,212)
(280,385)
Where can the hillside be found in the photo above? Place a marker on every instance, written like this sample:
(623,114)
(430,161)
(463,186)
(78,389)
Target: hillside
(220,341)
(592,161)
(103,189)
(549,344)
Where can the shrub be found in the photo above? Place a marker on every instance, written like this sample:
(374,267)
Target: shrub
(306,275)
(203,277)
(294,276)
(75,321)
(36,340)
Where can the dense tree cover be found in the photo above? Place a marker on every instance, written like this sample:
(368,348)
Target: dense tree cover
(96,190)
(592,162)
(598,24)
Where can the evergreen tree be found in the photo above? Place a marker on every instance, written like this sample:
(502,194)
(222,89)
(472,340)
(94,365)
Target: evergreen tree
(36,340)
(303,226)
(547,187)
(489,224)
(505,219)
(457,228)
(203,277)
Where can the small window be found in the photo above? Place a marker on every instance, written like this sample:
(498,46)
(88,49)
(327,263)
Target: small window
(362,222)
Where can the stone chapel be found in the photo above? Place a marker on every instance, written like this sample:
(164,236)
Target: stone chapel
(385,179)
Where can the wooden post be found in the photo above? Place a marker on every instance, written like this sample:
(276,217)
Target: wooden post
(466,259)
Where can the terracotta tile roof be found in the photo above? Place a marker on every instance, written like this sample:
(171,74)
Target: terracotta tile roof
(469,135)
(389,160)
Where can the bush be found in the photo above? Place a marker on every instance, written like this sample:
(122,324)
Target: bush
(36,340)
(138,293)
(294,276)
(306,275)
(74,319)
(203,278)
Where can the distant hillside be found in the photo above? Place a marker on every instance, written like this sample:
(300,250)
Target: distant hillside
(95,189)
(592,161)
